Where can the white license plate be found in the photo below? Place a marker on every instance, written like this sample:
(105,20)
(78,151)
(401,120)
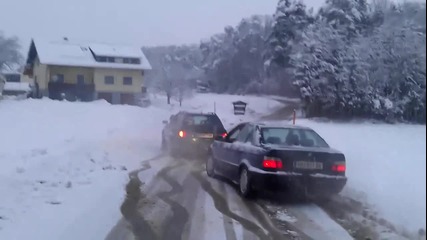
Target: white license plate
(309,165)
(207,135)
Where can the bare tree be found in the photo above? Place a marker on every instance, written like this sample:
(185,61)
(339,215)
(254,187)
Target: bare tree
(176,73)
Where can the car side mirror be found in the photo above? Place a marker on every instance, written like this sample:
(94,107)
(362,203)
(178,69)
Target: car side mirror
(165,122)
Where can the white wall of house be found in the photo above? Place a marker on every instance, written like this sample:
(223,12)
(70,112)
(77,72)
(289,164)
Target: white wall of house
(41,74)
(118,85)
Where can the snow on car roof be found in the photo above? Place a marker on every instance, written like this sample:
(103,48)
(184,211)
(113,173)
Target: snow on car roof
(69,53)
(280,125)
(17,86)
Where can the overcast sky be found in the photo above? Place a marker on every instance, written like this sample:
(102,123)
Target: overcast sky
(141,22)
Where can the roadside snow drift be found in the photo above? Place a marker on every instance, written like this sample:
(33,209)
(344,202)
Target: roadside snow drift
(64,165)
(386,164)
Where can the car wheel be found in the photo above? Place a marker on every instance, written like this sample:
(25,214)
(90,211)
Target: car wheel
(245,188)
(210,167)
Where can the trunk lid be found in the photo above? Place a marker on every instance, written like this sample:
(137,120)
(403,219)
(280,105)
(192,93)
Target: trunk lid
(310,160)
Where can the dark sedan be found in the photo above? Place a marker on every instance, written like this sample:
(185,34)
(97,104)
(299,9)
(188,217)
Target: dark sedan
(266,157)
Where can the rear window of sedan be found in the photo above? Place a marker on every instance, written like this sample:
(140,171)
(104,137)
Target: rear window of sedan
(203,122)
(292,137)
(199,120)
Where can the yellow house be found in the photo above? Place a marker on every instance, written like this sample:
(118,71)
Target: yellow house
(86,71)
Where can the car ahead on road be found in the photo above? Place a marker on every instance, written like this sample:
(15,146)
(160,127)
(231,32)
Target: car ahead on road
(267,157)
(191,133)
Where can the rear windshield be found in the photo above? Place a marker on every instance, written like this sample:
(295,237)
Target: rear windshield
(292,137)
(209,123)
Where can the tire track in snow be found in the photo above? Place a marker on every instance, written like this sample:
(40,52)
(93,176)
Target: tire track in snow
(140,228)
(230,232)
(129,208)
(222,206)
(174,226)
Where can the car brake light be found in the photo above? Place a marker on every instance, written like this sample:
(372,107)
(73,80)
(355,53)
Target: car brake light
(224,135)
(272,163)
(182,134)
(339,167)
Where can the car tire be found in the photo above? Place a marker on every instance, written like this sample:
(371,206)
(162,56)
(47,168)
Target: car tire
(210,167)
(245,188)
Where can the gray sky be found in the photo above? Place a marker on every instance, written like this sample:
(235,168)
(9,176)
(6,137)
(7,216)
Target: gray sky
(141,22)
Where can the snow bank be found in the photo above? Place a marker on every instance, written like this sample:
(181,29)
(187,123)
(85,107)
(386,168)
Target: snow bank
(64,165)
(385,162)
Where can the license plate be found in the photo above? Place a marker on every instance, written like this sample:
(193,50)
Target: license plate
(309,165)
(206,135)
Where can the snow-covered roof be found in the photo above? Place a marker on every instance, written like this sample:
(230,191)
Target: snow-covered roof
(69,53)
(115,51)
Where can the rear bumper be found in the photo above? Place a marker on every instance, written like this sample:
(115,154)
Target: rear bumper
(192,146)
(313,183)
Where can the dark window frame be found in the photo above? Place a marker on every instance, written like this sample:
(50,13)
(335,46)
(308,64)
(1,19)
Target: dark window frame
(109,80)
(80,79)
(244,134)
(60,78)
(101,59)
(128,81)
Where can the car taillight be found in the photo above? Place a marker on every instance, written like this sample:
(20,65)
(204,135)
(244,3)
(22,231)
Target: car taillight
(224,135)
(272,163)
(182,134)
(339,167)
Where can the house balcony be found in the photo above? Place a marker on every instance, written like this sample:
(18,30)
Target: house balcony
(71,92)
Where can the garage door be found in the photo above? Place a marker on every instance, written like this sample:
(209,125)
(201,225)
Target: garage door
(106,96)
(126,98)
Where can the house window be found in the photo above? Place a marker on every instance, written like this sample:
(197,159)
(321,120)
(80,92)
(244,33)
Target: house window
(135,60)
(58,78)
(132,60)
(101,59)
(110,59)
(13,77)
(80,79)
(127,81)
(109,80)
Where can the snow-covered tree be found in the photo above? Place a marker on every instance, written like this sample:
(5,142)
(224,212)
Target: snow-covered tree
(397,65)
(234,60)
(290,19)
(342,72)
(9,51)
(350,17)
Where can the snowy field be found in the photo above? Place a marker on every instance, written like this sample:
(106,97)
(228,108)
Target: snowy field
(386,167)
(64,165)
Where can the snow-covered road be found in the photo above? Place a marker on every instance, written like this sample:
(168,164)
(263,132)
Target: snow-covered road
(181,202)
